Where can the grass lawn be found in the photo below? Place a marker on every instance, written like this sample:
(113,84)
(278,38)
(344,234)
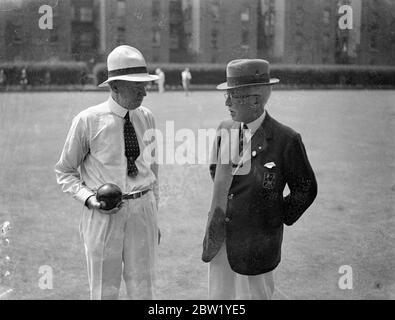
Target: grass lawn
(349,137)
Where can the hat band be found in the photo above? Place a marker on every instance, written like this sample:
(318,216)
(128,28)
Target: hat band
(122,72)
(242,80)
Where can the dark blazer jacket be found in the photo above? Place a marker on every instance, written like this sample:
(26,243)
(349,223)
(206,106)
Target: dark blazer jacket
(252,225)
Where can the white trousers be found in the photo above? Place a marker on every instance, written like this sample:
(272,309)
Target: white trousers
(225,284)
(125,244)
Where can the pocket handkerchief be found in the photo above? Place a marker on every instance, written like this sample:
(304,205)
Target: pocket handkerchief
(270,165)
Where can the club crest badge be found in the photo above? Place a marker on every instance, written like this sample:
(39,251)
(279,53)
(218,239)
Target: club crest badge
(269,180)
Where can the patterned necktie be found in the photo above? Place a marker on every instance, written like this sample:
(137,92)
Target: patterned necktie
(241,138)
(132,150)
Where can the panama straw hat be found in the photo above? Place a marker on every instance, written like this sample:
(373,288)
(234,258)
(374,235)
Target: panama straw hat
(247,72)
(128,64)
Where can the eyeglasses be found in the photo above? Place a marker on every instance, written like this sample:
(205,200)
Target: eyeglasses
(138,86)
(229,95)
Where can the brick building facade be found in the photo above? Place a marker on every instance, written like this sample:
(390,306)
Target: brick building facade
(21,37)
(207,31)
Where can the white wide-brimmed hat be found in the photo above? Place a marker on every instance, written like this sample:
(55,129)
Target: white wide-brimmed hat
(128,64)
(247,72)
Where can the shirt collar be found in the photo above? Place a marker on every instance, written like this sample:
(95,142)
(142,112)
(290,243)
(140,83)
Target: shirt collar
(116,108)
(254,125)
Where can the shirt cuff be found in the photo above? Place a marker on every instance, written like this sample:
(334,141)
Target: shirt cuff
(83,195)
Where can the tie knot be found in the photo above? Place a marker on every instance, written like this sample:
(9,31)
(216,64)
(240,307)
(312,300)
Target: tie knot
(126,117)
(245,127)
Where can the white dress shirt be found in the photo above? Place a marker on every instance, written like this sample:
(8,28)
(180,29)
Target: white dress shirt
(94,152)
(254,125)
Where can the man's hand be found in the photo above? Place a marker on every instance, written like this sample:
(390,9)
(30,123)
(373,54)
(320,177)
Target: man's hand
(92,203)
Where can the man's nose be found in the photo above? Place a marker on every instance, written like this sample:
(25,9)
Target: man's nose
(228,102)
(142,91)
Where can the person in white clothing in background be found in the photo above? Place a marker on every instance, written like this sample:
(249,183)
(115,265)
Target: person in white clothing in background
(161,81)
(186,78)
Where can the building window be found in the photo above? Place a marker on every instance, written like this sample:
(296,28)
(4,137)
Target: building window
(344,46)
(156,37)
(245,15)
(120,35)
(373,41)
(155,8)
(214,39)
(299,15)
(53,36)
(72,12)
(121,8)
(187,11)
(215,11)
(269,23)
(245,34)
(86,14)
(86,39)
(326,18)
(155,56)
(17,34)
(14,29)
(53,33)
(299,41)
(55,11)
(374,22)
(174,40)
(188,41)
(245,37)
(392,28)
(325,42)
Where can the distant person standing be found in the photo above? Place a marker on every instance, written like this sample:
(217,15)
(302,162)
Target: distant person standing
(161,80)
(3,78)
(186,80)
(24,81)
(47,78)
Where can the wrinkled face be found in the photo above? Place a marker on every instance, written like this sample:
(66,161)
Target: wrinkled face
(130,94)
(241,103)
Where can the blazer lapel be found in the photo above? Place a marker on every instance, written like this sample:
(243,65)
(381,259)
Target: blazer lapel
(262,135)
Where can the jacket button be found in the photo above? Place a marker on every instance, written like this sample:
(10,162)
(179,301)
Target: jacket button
(254,153)
(230,196)
(227,219)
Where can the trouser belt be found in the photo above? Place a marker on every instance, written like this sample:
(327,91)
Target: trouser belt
(127,196)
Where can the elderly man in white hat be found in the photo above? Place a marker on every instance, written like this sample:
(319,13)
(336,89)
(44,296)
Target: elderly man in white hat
(245,224)
(106,144)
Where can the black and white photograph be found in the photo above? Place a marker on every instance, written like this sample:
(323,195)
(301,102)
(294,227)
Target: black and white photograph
(204,150)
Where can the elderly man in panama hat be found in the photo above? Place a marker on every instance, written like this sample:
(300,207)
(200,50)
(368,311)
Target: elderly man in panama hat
(250,170)
(106,144)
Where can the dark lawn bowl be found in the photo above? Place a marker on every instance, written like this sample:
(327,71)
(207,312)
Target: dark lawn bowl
(109,195)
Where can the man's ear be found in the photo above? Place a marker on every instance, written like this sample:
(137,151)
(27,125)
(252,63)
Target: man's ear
(114,86)
(257,101)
